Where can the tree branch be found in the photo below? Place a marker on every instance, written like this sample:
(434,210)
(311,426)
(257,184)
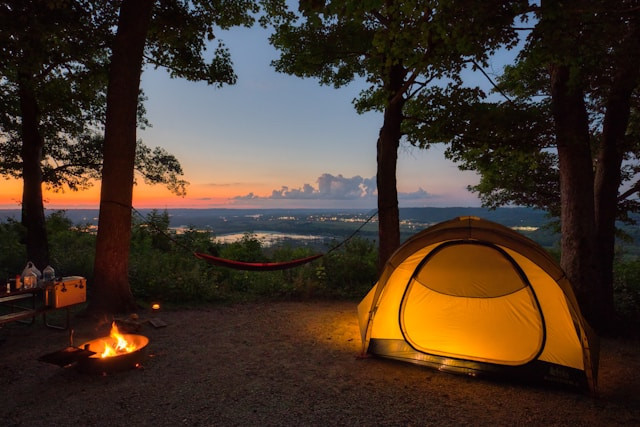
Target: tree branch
(421,85)
(495,86)
(155,62)
(381,18)
(65,168)
(635,188)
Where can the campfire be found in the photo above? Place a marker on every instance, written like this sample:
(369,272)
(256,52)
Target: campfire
(114,345)
(116,352)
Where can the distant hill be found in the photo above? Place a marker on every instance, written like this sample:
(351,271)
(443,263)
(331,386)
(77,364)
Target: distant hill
(340,223)
(509,217)
(334,223)
(206,217)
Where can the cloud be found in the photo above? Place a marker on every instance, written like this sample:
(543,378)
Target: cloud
(249,196)
(335,189)
(416,195)
(341,188)
(370,186)
(329,187)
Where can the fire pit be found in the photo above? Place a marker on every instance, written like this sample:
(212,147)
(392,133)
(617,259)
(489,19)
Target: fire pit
(114,353)
(117,352)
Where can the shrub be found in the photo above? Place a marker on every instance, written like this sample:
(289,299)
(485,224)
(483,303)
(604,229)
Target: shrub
(162,266)
(351,271)
(280,284)
(626,288)
(13,256)
(71,248)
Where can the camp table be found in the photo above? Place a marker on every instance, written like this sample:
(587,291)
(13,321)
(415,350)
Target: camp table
(24,304)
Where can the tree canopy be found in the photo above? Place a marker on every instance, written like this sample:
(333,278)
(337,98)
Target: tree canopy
(563,138)
(53,77)
(50,75)
(69,81)
(512,143)
(402,50)
(167,33)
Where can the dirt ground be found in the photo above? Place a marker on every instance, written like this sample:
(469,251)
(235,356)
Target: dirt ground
(288,363)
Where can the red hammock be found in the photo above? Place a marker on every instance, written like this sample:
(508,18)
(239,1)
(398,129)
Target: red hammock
(255,266)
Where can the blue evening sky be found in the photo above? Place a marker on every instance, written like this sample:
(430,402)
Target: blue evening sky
(274,140)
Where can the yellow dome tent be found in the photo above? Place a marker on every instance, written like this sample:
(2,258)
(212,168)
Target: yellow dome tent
(475,297)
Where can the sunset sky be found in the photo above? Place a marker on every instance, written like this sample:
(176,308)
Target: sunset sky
(272,141)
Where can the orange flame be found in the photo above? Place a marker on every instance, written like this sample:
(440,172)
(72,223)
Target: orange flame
(118,344)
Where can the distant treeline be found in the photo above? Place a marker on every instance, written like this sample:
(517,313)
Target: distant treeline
(339,223)
(209,217)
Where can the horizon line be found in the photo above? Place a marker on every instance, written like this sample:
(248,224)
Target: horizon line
(278,208)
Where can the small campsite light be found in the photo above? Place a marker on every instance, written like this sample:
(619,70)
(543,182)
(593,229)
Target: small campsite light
(154,319)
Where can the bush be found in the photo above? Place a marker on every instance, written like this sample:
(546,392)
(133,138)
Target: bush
(280,284)
(13,255)
(162,266)
(351,271)
(626,288)
(71,248)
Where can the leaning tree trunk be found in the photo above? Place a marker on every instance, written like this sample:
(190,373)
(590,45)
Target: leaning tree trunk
(388,143)
(576,190)
(111,290)
(33,217)
(608,171)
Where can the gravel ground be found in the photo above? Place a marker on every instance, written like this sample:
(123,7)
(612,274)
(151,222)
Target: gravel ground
(283,364)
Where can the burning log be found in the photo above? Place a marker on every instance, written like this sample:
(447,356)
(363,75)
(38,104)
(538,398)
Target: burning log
(114,353)
(117,352)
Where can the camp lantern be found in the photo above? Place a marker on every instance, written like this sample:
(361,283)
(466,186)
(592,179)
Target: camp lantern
(474,297)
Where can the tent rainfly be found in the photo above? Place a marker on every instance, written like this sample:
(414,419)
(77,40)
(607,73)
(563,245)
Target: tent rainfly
(475,297)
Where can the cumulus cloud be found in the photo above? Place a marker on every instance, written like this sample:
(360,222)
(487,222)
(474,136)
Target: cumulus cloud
(329,187)
(416,195)
(335,188)
(339,187)
(306,192)
(370,186)
(249,196)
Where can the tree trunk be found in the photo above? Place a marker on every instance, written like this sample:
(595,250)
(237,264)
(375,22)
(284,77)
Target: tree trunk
(387,149)
(111,289)
(577,215)
(33,217)
(608,171)
(607,182)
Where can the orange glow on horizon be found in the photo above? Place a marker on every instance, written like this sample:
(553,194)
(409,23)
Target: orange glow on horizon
(144,196)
